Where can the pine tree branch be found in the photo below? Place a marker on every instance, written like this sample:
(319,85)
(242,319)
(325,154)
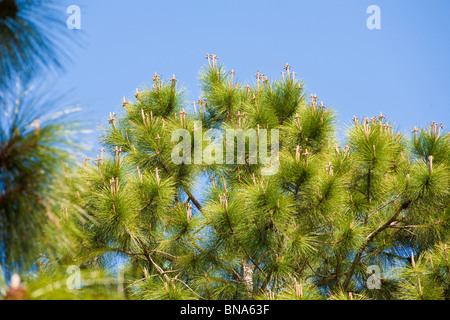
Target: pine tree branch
(324,278)
(194,201)
(356,189)
(190,289)
(420,226)
(167,255)
(14,191)
(388,254)
(338,267)
(383,206)
(150,260)
(160,270)
(266,281)
(231,270)
(120,250)
(240,244)
(369,238)
(220,261)
(366,218)
(148,204)
(186,190)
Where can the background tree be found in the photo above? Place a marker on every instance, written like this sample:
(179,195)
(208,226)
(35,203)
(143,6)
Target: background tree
(30,39)
(35,136)
(310,231)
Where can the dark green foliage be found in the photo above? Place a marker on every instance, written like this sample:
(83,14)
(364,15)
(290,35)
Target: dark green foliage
(30,37)
(33,142)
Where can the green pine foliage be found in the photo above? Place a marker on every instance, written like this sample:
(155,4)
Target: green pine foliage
(30,37)
(35,136)
(309,231)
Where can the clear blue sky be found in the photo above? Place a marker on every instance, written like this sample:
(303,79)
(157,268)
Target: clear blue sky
(402,70)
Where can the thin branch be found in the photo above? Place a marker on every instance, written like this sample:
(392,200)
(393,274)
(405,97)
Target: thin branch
(194,201)
(369,238)
(190,289)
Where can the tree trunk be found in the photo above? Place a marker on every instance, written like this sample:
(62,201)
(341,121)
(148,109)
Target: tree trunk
(248,278)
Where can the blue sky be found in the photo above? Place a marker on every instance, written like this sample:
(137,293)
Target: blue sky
(402,70)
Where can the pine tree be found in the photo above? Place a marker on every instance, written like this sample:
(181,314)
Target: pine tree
(33,137)
(36,134)
(33,140)
(311,230)
(30,34)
